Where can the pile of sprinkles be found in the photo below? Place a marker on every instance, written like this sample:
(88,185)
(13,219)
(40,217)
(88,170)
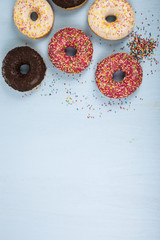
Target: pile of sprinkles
(140,47)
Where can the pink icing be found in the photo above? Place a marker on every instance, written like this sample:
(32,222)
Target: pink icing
(119,62)
(70,37)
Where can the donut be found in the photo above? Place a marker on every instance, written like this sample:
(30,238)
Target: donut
(76,39)
(119,62)
(69,5)
(111,19)
(11,69)
(43,17)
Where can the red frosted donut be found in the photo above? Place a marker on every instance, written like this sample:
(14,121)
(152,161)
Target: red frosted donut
(66,38)
(119,62)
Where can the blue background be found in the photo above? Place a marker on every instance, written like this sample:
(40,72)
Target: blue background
(73,163)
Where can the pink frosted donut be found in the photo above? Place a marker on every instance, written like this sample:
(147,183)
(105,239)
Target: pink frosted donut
(119,62)
(66,38)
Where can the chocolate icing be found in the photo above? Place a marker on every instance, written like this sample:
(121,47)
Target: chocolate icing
(11,69)
(68,3)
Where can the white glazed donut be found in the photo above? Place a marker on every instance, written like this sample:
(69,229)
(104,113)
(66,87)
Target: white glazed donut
(124,19)
(22,17)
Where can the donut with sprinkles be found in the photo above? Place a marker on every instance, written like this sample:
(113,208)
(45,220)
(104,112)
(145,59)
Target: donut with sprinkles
(111,19)
(34,18)
(119,62)
(70,38)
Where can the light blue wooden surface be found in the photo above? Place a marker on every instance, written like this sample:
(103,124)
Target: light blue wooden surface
(64,175)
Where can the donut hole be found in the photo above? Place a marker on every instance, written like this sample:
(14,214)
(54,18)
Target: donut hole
(34,16)
(71,51)
(118,76)
(24,69)
(111,18)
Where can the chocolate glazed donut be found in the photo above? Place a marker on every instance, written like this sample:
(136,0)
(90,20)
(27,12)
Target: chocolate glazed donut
(71,4)
(11,69)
